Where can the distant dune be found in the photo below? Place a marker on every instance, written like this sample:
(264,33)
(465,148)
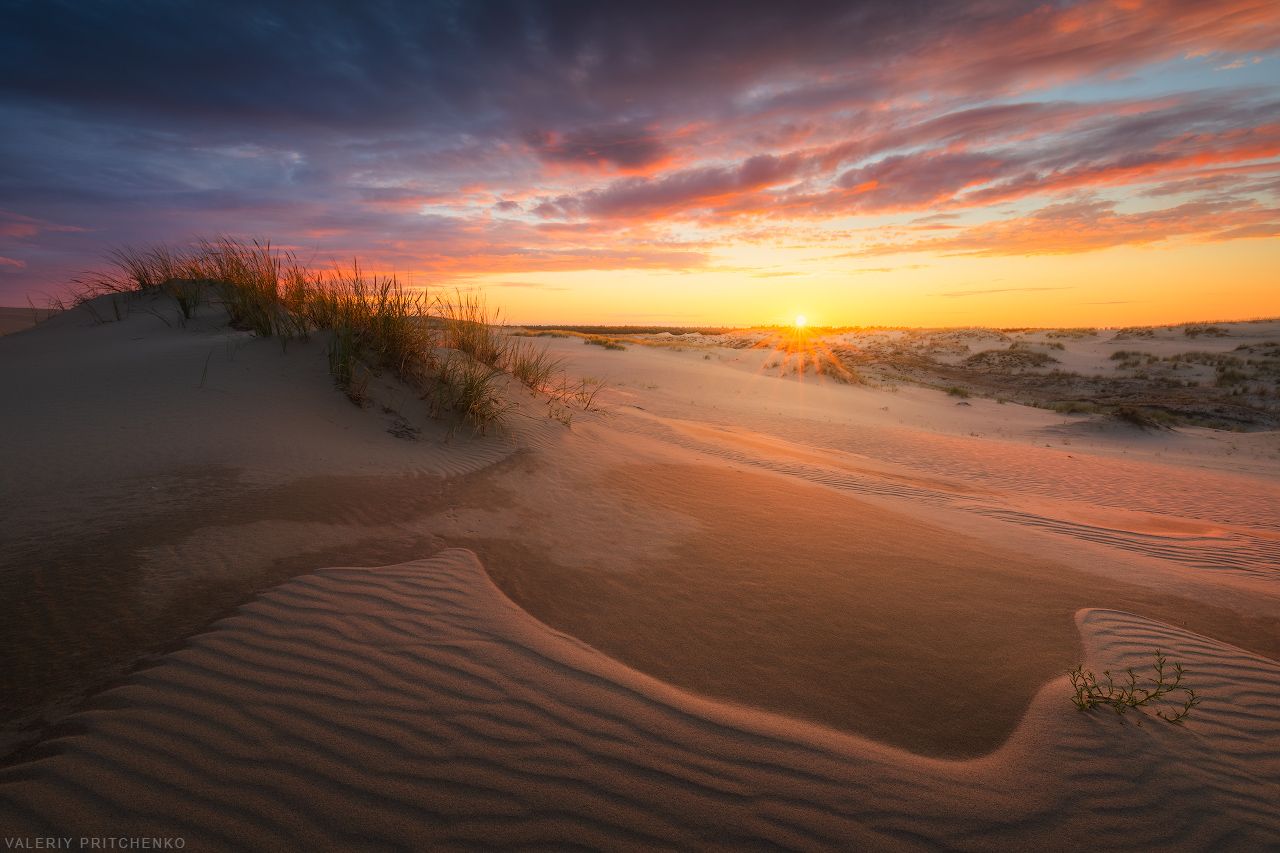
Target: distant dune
(17,319)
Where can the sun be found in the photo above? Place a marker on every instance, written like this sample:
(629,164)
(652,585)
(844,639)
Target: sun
(800,321)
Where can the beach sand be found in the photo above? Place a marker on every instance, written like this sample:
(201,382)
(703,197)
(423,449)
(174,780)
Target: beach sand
(728,609)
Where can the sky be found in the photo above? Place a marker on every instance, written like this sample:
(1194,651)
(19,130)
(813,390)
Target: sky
(874,163)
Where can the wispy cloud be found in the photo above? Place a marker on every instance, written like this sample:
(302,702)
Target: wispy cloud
(956,294)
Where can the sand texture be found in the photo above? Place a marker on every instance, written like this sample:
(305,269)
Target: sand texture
(413,705)
(729,608)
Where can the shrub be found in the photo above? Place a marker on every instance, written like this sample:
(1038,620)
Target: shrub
(1093,692)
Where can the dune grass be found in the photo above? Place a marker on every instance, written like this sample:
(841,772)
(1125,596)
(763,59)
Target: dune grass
(374,322)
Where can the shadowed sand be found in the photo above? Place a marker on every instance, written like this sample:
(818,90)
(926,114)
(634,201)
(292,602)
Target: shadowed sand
(805,601)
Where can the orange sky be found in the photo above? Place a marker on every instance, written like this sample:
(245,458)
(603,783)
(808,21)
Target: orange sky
(1089,162)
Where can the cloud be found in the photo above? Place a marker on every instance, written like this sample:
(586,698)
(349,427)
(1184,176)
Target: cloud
(624,147)
(1088,224)
(12,262)
(956,294)
(517,136)
(16,226)
(529,285)
(676,192)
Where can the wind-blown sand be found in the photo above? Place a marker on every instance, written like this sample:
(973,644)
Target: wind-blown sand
(735,609)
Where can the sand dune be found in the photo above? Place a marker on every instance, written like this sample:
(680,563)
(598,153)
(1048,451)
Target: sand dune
(731,609)
(413,705)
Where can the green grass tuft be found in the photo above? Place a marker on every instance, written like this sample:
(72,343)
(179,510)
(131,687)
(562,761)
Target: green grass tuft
(1091,692)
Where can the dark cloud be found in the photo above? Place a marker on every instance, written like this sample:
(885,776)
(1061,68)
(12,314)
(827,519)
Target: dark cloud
(628,147)
(432,134)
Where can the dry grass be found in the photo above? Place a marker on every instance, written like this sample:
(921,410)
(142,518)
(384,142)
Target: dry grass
(374,322)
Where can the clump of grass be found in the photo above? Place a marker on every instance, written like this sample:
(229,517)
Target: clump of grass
(1143,418)
(1072,333)
(601,341)
(1072,407)
(473,390)
(470,327)
(1228,376)
(188,293)
(346,367)
(957,391)
(1014,358)
(525,333)
(1091,692)
(1196,331)
(380,322)
(530,364)
(375,322)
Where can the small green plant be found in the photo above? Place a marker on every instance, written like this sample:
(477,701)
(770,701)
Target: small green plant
(1094,692)
(957,391)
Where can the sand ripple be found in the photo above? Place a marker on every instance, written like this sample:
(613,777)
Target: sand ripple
(414,705)
(1251,551)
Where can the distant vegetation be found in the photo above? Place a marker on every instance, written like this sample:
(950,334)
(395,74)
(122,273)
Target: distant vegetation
(601,341)
(451,350)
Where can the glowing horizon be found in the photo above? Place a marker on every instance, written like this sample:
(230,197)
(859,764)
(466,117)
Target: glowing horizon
(1086,163)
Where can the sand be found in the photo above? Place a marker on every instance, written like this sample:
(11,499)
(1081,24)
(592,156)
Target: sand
(730,609)
(414,706)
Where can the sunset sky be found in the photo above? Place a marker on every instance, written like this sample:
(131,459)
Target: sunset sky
(1073,163)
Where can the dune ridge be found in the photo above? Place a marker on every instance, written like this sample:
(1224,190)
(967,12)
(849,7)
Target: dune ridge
(414,704)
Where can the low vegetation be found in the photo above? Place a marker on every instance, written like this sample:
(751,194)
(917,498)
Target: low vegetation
(1206,330)
(453,350)
(1128,693)
(601,341)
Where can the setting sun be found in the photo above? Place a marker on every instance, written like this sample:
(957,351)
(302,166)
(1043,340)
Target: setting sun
(799,321)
